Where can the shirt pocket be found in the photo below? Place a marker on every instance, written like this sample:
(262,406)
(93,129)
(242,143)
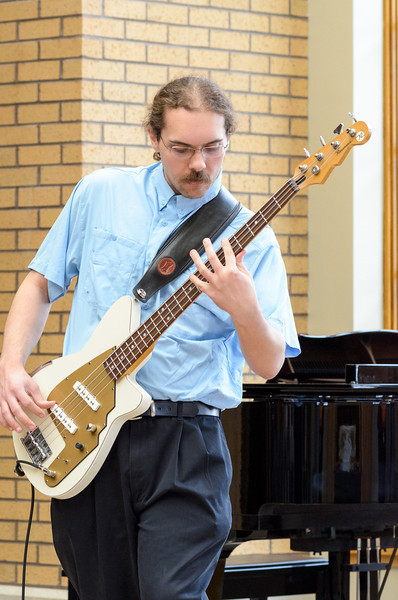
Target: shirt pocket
(112,261)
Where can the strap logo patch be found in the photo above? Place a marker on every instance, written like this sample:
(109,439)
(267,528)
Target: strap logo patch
(166,266)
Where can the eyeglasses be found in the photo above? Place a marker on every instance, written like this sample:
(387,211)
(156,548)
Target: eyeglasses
(208,152)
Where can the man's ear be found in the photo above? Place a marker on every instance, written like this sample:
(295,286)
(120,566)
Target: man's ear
(153,138)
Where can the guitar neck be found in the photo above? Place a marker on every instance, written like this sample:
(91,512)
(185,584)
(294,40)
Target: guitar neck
(147,334)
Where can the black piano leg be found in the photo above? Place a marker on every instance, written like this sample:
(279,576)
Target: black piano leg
(338,587)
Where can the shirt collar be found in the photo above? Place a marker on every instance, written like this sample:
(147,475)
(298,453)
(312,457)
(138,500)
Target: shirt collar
(184,205)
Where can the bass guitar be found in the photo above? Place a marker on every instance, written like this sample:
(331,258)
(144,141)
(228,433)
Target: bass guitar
(95,390)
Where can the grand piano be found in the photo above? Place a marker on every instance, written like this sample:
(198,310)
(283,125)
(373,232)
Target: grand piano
(315,456)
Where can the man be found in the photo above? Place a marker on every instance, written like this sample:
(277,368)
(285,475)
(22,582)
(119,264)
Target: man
(153,521)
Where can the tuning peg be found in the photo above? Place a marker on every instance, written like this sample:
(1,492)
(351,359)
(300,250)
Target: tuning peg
(322,141)
(353,117)
(339,129)
(307,153)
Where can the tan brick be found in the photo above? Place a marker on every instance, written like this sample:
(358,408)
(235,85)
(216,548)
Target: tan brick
(19,51)
(270,125)
(167,14)
(289,26)
(7,573)
(218,59)
(7,197)
(136,156)
(251,103)
(7,73)
(167,55)
(298,244)
(124,134)
(125,9)
(18,176)
(72,153)
(60,48)
(104,28)
(91,90)
(60,90)
(30,240)
(72,26)
(92,7)
(236,162)
(47,555)
(53,8)
(231,81)
(270,6)
(91,132)
(189,36)
(249,183)
(92,48)
(146,74)
(229,40)
(149,32)
(40,155)
(7,280)
(39,196)
(40,70)
(235,4)
(299,47)
(18,93)
(296,107)
(286,224)
(210,17)
(8,157)
(249,21)
(299,87)
(248,62)
(124,51)
(60,132)
(266,84)
(72,68)
(18,134)
(7,115)
(103,70)
(102,154)
(8,32)
(38,29)
(14,552)
(299,8)
(15,11)
(60,174)
(270,44)
(71,111)
(19,219)
(299,284)
(289,66)
(299,127)
(269,164)
(124,92)
(249,143)
(37,574)
(299,304)
(38,113)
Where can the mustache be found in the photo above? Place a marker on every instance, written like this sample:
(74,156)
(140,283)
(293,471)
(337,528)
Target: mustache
(196,176)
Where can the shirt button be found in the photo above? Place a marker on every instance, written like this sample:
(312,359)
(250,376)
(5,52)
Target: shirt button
(163,223)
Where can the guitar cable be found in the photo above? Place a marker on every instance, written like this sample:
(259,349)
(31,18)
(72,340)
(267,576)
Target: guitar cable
(20,472)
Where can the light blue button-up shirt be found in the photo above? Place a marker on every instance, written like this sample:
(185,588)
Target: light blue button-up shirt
(108,233)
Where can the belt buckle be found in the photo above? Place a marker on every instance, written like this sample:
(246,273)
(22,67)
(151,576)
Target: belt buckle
(153,409)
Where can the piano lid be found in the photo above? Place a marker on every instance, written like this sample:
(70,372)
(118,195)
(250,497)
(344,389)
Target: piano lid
(326,358)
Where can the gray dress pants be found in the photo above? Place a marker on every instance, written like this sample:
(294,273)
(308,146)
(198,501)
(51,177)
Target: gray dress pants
(152,523)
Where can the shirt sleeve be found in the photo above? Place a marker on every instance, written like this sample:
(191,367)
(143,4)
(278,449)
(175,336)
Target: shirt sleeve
(58,257)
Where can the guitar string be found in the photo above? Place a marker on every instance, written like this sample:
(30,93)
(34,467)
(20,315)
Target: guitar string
(283,196)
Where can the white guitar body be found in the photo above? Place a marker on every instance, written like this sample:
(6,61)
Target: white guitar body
(130,401)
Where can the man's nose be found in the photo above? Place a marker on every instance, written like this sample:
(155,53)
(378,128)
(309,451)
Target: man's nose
(197,161)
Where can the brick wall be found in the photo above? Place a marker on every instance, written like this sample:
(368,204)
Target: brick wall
(75,78)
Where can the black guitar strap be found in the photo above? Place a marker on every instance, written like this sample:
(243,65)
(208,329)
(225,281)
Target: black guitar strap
(173,257)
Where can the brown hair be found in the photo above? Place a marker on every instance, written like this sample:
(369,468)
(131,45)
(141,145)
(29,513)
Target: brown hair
(191,93)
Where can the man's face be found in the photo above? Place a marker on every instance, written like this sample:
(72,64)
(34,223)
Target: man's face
(190,176)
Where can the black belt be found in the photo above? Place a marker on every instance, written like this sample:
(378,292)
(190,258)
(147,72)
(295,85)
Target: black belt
(167,408)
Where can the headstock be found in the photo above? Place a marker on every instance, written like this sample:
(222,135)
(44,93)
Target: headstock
(318,166)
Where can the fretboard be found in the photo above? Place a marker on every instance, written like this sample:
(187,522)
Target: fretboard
(146,335)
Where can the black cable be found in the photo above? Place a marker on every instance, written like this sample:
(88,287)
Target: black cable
(19,471)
